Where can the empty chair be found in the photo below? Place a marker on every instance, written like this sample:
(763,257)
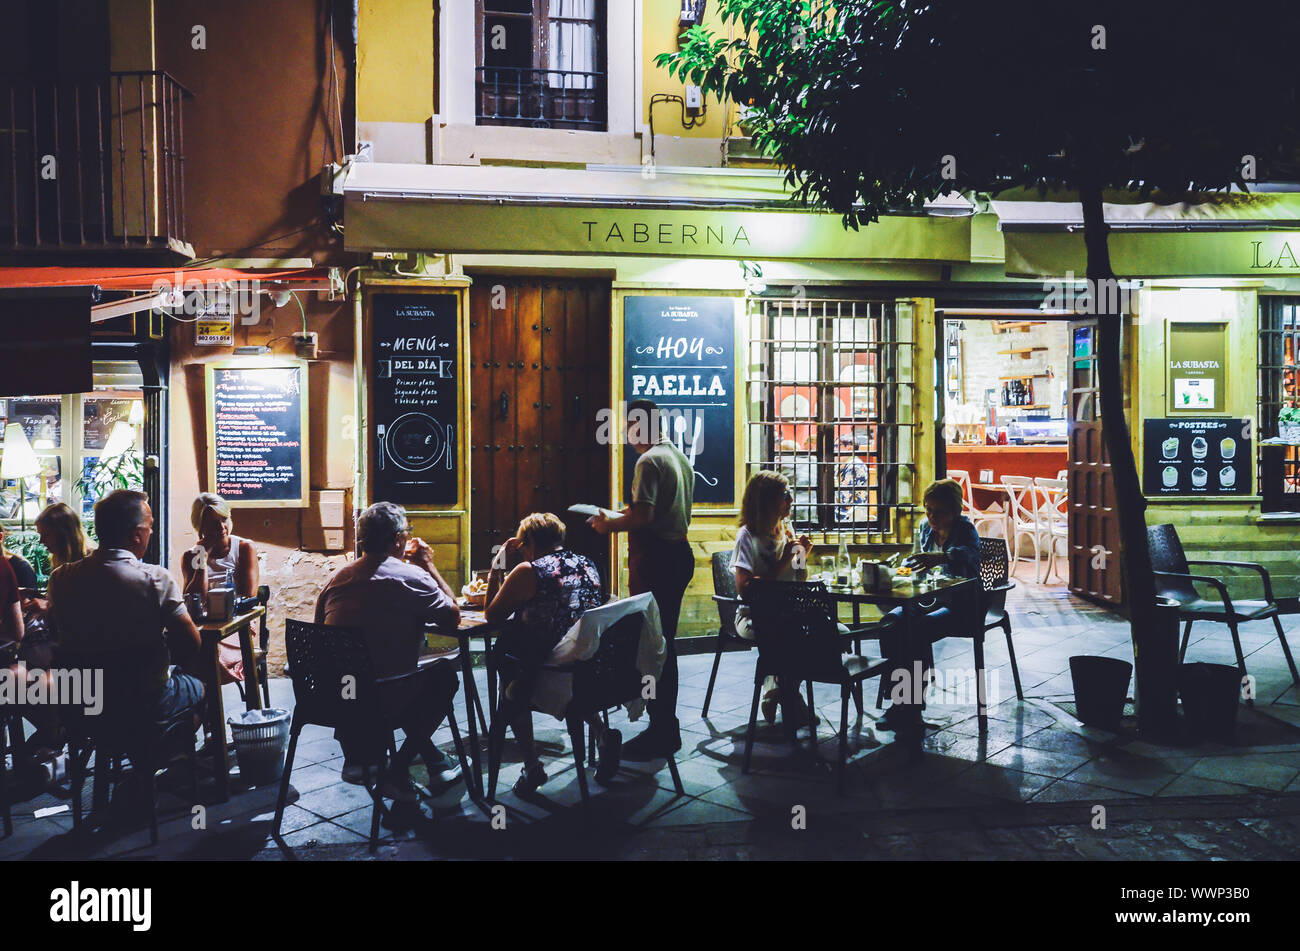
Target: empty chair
(799,642)
(1053,519)
(1022,517)
(321,657)
(1175,580)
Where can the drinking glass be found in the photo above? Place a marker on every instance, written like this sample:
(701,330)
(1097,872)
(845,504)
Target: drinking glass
(828,568)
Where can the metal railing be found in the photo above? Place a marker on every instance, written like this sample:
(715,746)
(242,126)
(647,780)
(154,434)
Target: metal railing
(92,162)
(541,98)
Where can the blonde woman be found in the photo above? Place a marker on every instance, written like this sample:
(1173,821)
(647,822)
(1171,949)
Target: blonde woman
(766,549)
(217,553)
(61,534)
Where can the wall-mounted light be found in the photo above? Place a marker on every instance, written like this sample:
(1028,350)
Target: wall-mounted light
(257,351)
(753,277)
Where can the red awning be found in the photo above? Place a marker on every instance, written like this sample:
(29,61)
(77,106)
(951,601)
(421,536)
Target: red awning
(146,278)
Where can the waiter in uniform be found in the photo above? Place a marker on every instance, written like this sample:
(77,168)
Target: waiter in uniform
(660,559)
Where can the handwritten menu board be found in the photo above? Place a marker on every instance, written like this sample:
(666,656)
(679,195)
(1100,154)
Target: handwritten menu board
(416,398)
(1197,457)
(680,352)
(257,434)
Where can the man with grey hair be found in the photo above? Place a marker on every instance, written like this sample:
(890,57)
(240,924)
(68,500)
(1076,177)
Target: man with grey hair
(391,593)
(111,602)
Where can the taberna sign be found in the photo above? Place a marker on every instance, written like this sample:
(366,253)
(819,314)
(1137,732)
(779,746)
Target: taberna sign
(1273,255)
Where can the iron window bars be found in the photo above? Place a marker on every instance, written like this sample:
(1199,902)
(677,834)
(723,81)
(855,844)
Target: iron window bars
(830,394)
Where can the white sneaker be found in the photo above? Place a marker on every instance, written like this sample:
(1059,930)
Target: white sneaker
(448,774)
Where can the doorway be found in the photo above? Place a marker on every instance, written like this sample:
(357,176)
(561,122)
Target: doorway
(539,364)
(1002,397)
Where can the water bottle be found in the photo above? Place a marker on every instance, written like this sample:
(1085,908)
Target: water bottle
(842,565)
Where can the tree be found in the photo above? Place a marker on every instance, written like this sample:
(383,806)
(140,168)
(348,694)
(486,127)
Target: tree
(874,106)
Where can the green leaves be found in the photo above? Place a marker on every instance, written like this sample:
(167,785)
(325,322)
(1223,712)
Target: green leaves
(865,103)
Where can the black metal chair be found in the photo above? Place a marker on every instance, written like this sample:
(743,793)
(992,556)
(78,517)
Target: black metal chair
(8,740)
(123,729)
(608,680)
(1174,580)
(334,686)
(727,600)
(799,641)
(991,610)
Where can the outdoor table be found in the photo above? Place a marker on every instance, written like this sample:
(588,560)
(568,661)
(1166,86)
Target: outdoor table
(914,599)
(985,495)
(474,623)
(213,632)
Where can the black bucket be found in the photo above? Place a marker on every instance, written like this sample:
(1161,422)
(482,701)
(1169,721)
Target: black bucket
(1100,689)
(1211,694)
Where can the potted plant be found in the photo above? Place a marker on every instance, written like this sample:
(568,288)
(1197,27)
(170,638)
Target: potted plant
(124,470)
(1288,423)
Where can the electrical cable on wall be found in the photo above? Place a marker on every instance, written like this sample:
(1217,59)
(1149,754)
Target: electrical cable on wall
(688,122)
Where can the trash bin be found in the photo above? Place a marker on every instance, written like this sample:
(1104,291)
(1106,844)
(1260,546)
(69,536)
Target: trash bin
(1211,695)
(261,741)
(1100,689)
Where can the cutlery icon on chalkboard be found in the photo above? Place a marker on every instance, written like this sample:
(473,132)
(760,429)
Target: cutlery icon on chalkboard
(379,444)
(451,441)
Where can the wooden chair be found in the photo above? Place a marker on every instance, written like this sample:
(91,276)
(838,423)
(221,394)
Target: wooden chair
(799,642)
(323,658)
(727,600)
(1175,580)
(609,679)
(1053,520)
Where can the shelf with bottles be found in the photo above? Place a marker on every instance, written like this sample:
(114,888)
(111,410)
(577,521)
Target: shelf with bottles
(1025,376)
(1023,352)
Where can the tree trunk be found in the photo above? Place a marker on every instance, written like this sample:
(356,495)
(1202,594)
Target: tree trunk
(1154,646)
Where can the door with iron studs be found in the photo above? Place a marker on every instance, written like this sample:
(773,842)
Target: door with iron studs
(539,365)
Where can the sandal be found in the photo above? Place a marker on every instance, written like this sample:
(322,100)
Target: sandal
(529,780)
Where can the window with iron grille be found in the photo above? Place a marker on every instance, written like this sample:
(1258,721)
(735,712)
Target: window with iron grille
(829,386)
(1279,403)
(541,63)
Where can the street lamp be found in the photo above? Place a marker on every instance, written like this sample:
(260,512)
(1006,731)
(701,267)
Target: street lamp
(19,463)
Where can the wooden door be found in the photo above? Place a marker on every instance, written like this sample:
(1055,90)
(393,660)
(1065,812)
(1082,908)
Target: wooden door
(1093,518)
(539,364)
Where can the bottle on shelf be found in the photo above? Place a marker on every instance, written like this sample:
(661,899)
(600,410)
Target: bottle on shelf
(842,565)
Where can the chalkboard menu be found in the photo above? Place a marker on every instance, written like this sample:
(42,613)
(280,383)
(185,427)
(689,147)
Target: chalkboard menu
(680,352)
(415,394)
(257,434)
(1197,457)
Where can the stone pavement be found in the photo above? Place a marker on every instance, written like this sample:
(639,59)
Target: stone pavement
(1029,788)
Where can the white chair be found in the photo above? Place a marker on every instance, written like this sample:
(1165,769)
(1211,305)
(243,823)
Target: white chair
(1063,475)
(1021,517)
(980,517)
(1053,519)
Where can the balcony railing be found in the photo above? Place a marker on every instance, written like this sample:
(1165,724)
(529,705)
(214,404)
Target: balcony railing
(541,98)
(91,164)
